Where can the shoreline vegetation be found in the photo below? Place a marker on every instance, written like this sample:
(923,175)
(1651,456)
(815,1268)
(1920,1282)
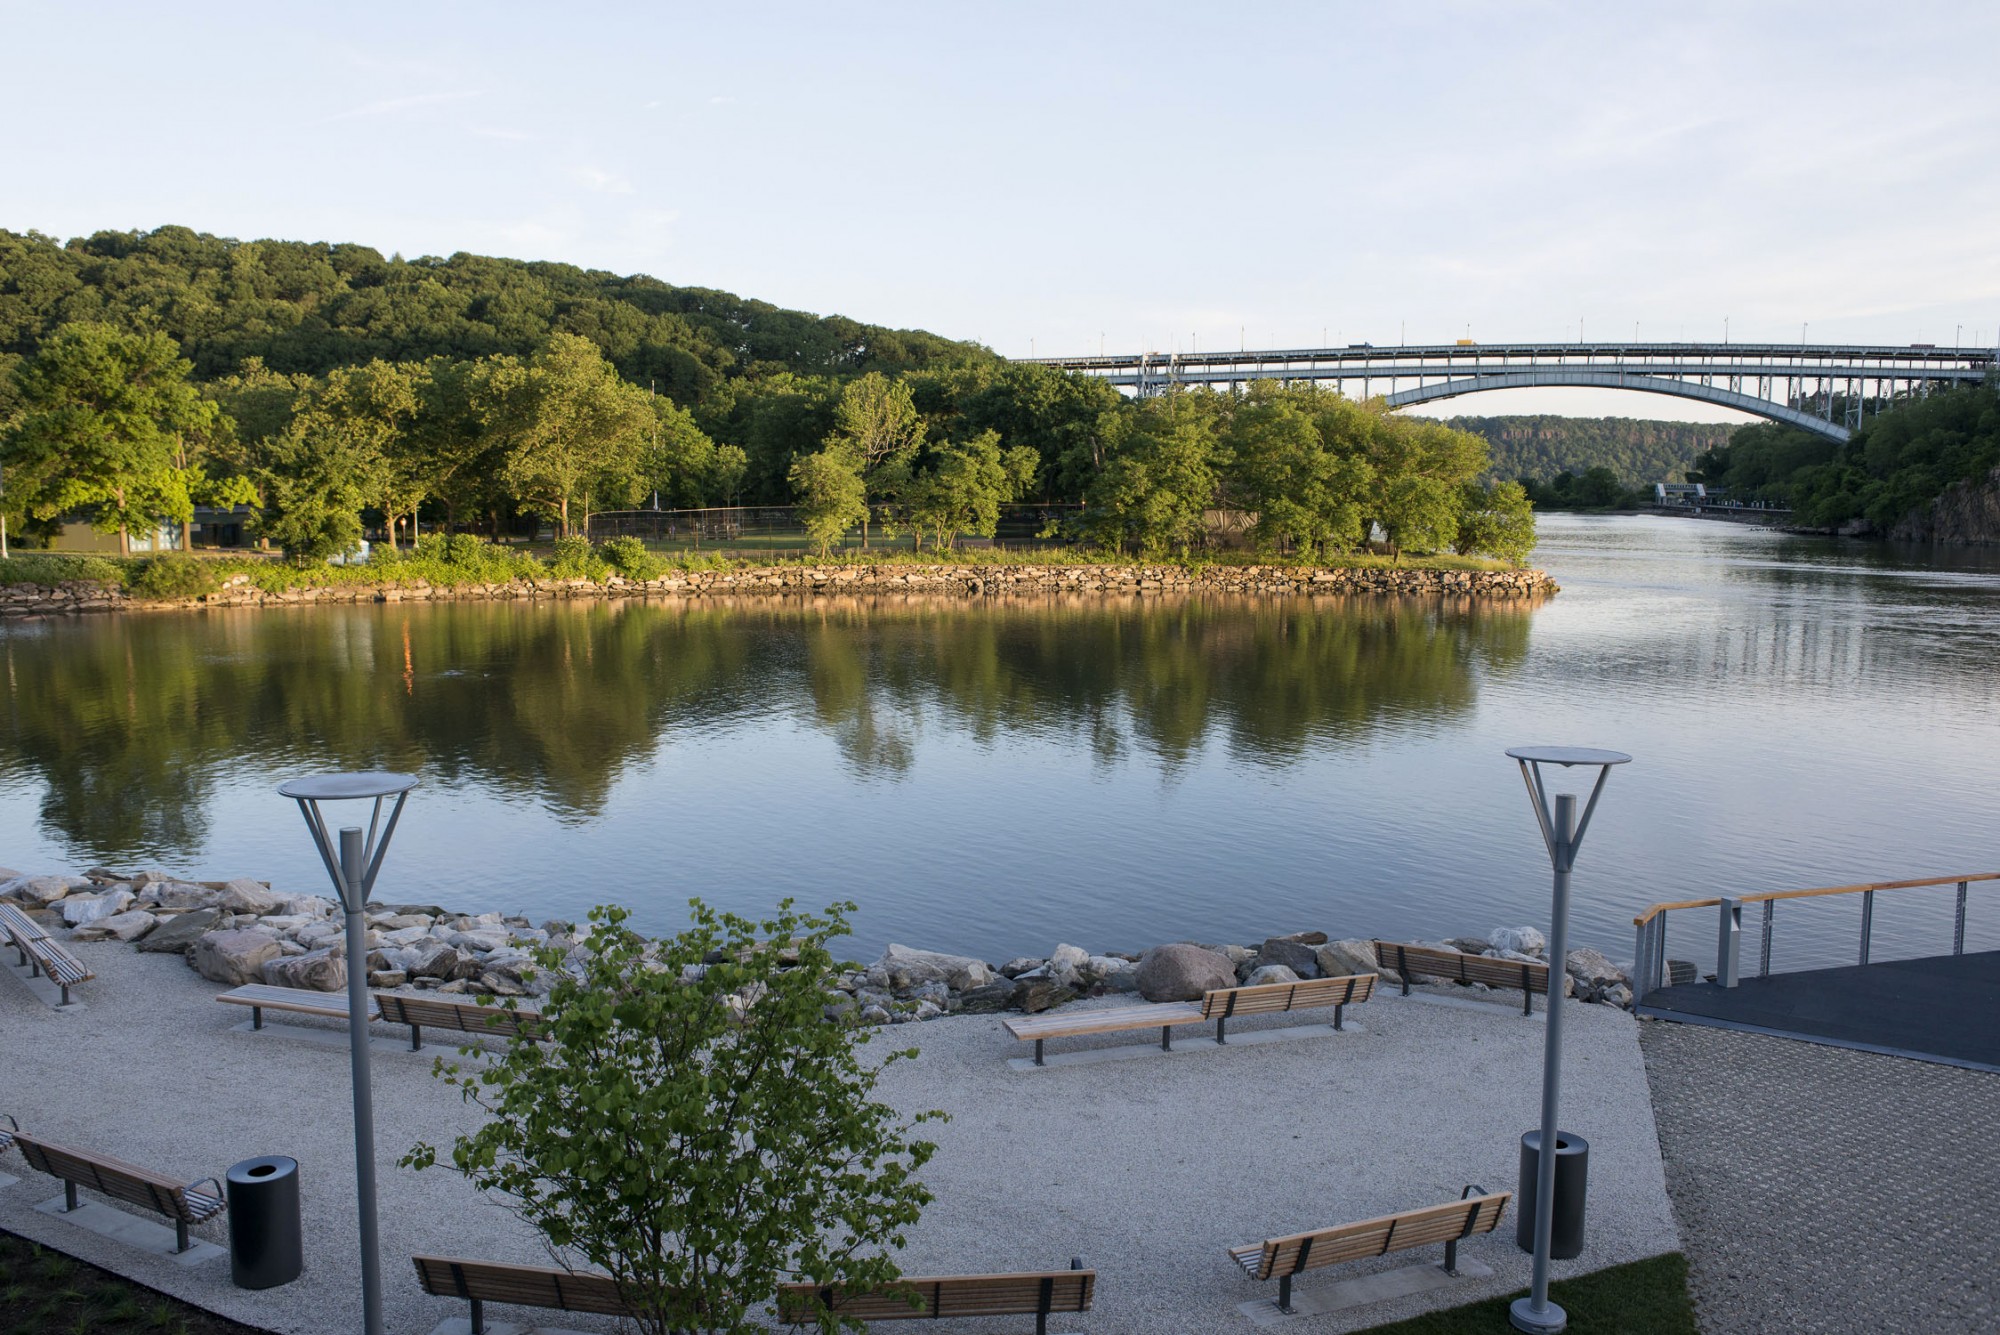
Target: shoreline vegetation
(464,569)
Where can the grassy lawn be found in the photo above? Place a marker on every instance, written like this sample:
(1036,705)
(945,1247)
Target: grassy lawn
(1643,1298)
(46,1293)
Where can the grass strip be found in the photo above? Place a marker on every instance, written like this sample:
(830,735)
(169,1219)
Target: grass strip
(44,1292)
(1647,1297)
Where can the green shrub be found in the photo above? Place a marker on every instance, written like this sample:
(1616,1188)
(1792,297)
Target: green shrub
(44,568)
(574,559)
(171,575)
(629,557)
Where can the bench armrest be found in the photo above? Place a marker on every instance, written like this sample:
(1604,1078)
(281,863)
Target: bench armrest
(220,1194)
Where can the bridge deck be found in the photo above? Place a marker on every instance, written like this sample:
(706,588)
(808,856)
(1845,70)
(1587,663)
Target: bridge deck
(1941,1009)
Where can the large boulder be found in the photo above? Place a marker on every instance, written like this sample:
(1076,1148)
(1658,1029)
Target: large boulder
(994,996)
(1519,941)
(1593,975)
(1291,953)
(907,968)
(427,958)
(316,971)
(127,926)
(174,935)
(1270,973)
(244,895)
(236,956)
(1183,972)
(41,891)
(82,910)
(182,895)
(1036,992)
(1340,959)
(1067,965)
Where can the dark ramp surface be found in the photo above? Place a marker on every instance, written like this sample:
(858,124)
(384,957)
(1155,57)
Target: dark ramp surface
(1942,1009)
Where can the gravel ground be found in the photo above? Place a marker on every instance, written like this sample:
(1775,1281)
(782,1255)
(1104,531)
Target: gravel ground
(1827,1190)
(1146,1168)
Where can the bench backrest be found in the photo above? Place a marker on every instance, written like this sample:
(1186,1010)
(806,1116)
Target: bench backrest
(112,1177)
(1429,1226)
(1268,998)
(946,1296)
(527,1285)
(1408,959)
(20,926)
(438,1013)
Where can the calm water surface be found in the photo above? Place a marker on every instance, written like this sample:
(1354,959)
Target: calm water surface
(998,778)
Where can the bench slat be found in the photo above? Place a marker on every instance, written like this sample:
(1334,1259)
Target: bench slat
(525,1285)
(1425,1227)
(1434,962)
(1055,1024)
(303,1001)
(1274,998)
(948,1297)
(468,1016)
(117,1179)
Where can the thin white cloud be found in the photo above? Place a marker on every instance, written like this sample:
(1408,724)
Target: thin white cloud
(394,105)
(604,182)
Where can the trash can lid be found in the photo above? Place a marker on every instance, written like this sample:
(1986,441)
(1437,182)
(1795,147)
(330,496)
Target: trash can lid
(264,1169)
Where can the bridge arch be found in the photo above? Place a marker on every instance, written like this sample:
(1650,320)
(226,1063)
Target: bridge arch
(1647,384)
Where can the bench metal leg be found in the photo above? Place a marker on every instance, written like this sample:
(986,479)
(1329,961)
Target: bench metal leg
(180,1236)
(1285,1294)
(256,1017)
(1166,1038)
(416,1038)
(1527,1001)
(1038,1053)
(1221,1022)
(1337,1017)
(65,992)
(1451,1257)
(478,1317)
(69,1196)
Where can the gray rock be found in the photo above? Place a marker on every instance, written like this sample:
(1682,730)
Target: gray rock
(1524,940)
(1183,972)
(317,971)
(320,935)
(993,997)
(502,985)
(1618,994)
(311,906)
(1124,980)
(1297,956)
(876,1015)
(1306,938)
(481,939)
(1238,955)
(1340,959)
(1593,974)
(82,910)
(1034,994)
(244,895)
(1471,945)
(9,874)
(408,934)
(182,895)
(127,926)
(41,891)
(236,956)
(1014,968)
(841,1009)
(291,947)
(1067,965)
(927,1010)
(1270,973)
(906,968)
(174,935)
(388,978)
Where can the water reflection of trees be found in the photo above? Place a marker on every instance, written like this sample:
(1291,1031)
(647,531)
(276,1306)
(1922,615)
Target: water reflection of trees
(131,722)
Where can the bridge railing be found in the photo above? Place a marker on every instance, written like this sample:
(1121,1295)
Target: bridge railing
(1649,970)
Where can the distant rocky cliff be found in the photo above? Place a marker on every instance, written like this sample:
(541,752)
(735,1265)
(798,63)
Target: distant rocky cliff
(1966,515)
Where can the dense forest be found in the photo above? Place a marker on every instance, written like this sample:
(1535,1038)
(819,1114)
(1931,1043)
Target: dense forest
(1895,464)
(334,391)
(1636,451)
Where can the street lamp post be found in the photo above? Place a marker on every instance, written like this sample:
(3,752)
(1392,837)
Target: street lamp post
(1563,833)
(353,867)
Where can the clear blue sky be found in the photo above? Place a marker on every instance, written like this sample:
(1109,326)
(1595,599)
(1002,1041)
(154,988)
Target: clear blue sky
(1047,175)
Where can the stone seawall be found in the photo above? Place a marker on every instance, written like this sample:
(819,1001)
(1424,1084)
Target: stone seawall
(995,581)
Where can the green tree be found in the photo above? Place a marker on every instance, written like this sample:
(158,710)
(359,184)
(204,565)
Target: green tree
(694,1126)
(103,425)
(567,426)
(1495,521)
(1284,470)
(876,424)
(964,490)
(1159,478)
(831,496)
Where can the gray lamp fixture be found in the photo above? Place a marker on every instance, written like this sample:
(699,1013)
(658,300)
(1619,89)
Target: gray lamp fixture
(353,870)
(1563,834)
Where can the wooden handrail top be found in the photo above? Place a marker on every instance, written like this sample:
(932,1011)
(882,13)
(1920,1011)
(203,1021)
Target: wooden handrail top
(1657,909)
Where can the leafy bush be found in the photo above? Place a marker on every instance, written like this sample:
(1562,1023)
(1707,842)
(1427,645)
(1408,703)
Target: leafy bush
(574,559)
(42,568)
(171,575)
(629,557)
(691,1121)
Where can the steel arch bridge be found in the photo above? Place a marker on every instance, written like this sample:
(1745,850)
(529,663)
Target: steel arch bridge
(1823,388)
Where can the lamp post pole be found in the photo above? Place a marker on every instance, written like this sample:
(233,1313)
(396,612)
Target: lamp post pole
(354,869)
(1563,834)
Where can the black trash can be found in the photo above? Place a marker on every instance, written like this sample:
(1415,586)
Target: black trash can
(265,1246)
(1572,1173)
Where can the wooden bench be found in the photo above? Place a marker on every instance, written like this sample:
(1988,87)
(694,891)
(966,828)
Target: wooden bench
(482,1282)
(1475,1211)
(261,997)
(469,1017)
(951,1297)
(40,952)
(1221,1005)
(1439,962)
(125,1182)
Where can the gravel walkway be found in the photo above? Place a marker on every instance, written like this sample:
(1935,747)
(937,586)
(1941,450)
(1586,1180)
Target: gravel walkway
(1824,1189)
(1148,1168)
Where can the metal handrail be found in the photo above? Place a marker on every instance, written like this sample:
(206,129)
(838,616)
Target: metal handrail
(1650,958)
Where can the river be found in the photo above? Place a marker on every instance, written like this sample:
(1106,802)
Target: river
(996,778)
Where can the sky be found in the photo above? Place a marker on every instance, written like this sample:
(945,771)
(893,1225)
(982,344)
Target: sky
(1049,178)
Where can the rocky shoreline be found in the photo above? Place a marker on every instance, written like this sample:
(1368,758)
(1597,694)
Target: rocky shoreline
(984,581)
(242,931)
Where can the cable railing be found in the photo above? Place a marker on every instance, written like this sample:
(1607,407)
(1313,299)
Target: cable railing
(1649,970)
